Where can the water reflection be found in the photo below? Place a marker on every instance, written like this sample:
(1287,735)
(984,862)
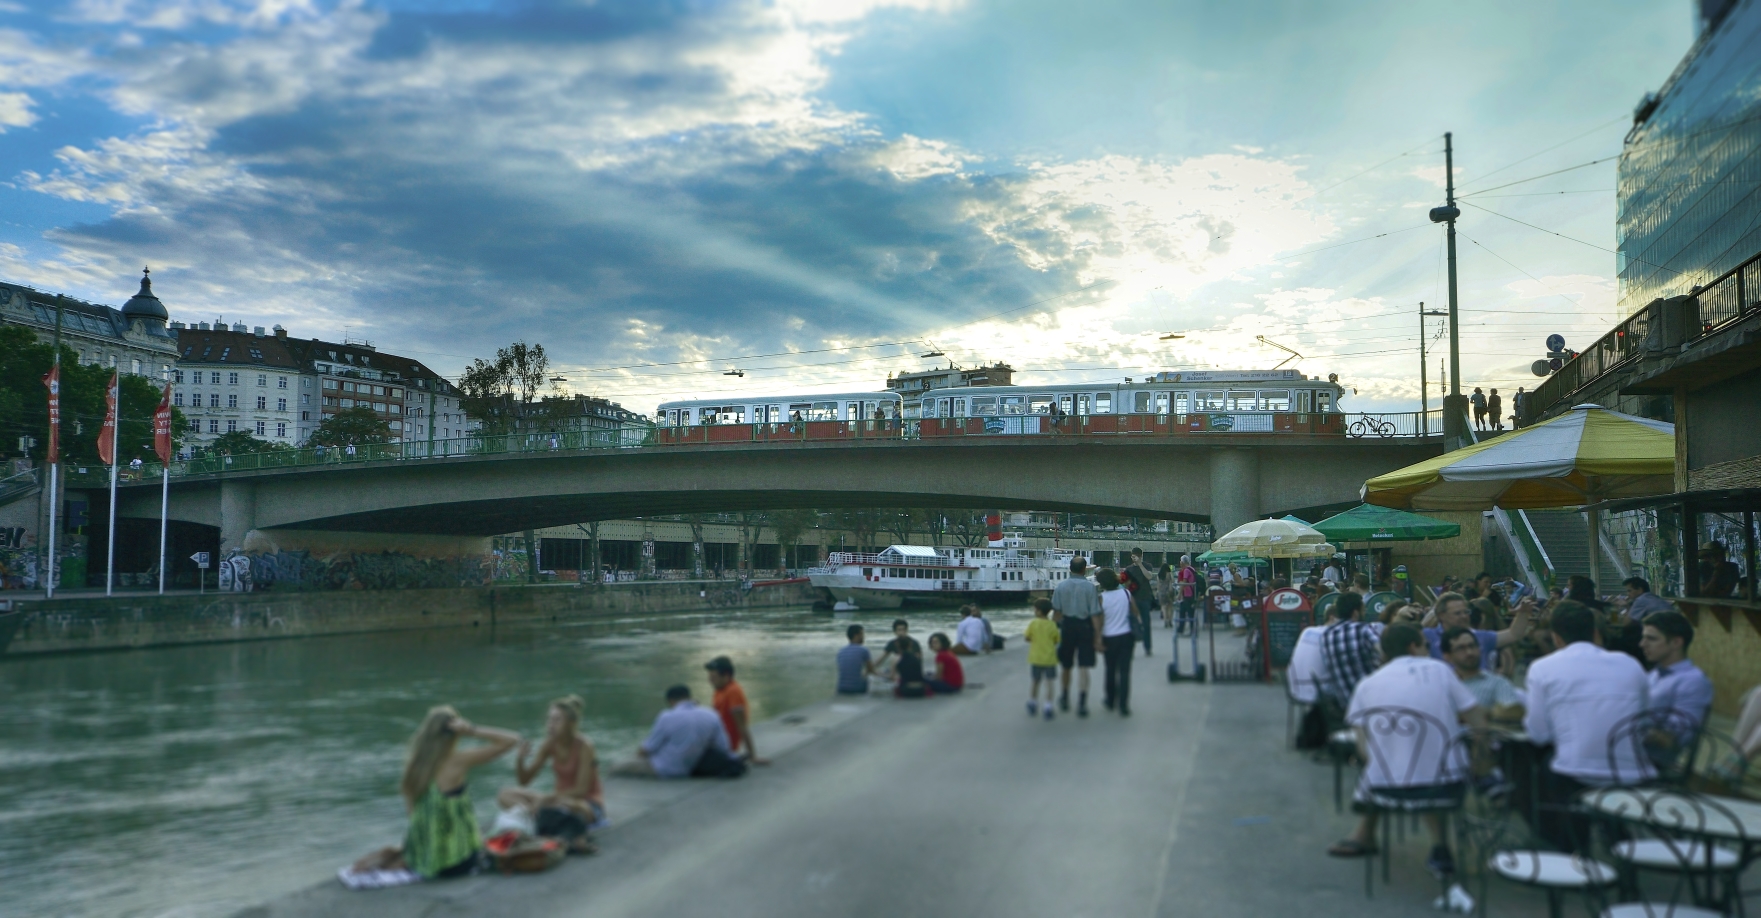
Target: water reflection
(197,781)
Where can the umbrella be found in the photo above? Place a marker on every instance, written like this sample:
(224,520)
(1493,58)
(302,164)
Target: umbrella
(1586,455)
(1274,539)
(1370,523)
(1226,557)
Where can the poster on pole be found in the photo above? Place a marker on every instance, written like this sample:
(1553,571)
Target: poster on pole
(107,434)
(53,383)
(162,428)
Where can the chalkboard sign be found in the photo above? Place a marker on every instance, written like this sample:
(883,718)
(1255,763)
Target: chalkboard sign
(1280,631)
(1376,602)
(1324,603)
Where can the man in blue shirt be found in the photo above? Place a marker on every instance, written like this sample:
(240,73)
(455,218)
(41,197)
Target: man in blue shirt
(682,735)
(1676,684)
(1640,601)
(1452,612)
(855,664)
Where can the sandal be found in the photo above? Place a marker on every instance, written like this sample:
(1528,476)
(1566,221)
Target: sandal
(1350,847)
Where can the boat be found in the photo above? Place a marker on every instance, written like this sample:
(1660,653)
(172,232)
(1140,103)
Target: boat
(1004,572)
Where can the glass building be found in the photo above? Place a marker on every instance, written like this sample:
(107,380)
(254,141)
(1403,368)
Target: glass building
(1689,183)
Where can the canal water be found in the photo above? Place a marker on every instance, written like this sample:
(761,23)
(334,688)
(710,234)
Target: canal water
(198,781)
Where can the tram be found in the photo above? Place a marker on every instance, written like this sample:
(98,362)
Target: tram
(1180,392)
(781,409)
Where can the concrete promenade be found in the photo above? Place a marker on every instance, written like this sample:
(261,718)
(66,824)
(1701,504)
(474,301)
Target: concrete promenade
(964,806)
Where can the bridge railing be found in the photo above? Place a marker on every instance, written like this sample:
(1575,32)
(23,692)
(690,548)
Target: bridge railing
(1406,424)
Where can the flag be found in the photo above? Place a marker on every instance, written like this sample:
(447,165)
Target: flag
(107,434)
(52,382)
(162,427)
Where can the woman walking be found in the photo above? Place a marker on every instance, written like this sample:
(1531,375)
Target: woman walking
(1118,640)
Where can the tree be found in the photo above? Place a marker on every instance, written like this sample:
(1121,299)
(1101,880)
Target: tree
(351,427)
(790,526)
(862,523)
(501,391)
(24,403)
(240,442)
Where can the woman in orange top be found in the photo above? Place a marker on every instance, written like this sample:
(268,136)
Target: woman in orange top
(572,757)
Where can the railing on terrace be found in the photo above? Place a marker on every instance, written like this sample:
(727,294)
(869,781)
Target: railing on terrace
(1729,297)
(1369,426)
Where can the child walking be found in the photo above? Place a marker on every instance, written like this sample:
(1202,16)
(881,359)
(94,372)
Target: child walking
(1042,656)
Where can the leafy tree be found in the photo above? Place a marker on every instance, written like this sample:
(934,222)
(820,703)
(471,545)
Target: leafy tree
(240,442)
(790,526)
(24,403)
(862,523)
(351,426)
(502,391)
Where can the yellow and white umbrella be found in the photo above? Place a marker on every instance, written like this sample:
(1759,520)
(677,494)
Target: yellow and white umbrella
(1586,455)
(1274,539)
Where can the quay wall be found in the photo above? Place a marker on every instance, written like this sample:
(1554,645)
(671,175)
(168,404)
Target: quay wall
(79,624)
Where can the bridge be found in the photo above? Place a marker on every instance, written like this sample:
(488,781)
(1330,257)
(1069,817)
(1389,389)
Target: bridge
(1122,465)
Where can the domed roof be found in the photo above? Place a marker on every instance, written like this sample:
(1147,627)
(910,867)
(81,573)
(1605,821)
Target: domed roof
(145,305)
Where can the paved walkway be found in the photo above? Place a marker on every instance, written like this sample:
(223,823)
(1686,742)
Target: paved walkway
(964,806)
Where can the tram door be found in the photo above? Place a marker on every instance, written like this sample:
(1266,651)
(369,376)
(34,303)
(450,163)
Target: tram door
(853,411)
(1305,401)
(1082,404)
(1161,403)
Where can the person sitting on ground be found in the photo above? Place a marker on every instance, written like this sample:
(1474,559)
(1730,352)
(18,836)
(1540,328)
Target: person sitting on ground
(855,663)
(1076,608)
(1496,696)
(730,705)
(902,640)
(908,673)
(1452,611)
(1640,601)
(1676,688)
(1578,694)
(443,841)
(1404,765)
(1348,650)
(577,804)
(1042,655)
(971,633)
(686,741)
(949,677)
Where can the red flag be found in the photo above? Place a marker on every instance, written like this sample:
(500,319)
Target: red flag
(162,427)
(107,434)
(53,383)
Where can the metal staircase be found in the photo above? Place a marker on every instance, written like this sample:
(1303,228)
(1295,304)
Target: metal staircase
(1564,536)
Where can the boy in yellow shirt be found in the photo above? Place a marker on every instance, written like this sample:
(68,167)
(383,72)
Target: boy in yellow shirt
(1042,655)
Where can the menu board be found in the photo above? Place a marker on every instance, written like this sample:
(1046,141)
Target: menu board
(1280,633)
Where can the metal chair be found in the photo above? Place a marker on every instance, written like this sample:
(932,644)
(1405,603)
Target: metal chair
(1437,762)
(1679,836)
(1653,747)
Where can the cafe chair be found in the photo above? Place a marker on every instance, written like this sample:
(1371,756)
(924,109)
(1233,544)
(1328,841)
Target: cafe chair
(1439,757)
(1679,839)
(1719,764)
(1654,747)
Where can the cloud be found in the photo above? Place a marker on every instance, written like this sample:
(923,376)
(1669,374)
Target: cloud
(15,110)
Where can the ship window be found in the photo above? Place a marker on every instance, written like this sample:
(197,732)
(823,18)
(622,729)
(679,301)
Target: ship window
(1140,403)
(1103,403)
(1039,404)
(1014,404)
(1275,400)
(983,407)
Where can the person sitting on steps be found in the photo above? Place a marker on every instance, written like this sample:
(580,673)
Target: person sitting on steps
(577,803)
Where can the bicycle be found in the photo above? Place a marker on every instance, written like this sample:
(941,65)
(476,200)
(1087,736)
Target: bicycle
(1363,427)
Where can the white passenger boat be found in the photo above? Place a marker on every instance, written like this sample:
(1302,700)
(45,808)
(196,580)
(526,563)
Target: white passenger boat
(1003,573)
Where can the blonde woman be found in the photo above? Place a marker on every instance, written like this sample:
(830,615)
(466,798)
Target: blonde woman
(576,765)
(443,840)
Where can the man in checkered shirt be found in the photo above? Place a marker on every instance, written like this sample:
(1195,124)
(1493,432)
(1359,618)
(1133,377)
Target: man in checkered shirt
(1348,649)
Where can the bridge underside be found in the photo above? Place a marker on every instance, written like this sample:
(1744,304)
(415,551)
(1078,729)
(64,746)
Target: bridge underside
(1224,482)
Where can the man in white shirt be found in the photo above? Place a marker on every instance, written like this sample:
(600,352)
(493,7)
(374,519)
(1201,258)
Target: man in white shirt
(1333,573)
(970,637)
(1578,694)
(1408,716)
(1308,664)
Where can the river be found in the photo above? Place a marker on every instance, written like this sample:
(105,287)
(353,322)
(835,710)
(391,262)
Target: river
(197,781)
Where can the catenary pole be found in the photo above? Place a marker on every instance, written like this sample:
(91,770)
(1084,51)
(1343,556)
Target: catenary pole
(1454,315)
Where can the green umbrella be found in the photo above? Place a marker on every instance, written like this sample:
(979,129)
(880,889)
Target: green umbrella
(1369,523)
(1227,557)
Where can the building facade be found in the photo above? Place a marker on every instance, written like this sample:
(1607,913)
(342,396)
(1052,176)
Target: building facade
(1689,182)
(417,403)
(134,339)
(233,379)
(911,386)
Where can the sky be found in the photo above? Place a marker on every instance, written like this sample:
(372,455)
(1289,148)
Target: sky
(818,192)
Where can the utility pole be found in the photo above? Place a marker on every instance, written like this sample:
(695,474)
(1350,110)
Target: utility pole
(1454,410)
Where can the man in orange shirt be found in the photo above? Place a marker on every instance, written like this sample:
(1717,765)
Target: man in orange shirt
(730,703)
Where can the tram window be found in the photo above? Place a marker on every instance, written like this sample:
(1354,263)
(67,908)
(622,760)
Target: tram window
(1239,401)
(1082,403)
(1208,400)
(1103,403)
(1039,404)
(1275,400)
(1064,403)
(1305,400)
(1323,400)
(733,414)
(959,408)
(1182,403)
(929,407)
(984,407)
(824,411)
(853,411)
(1162,403)
(1014,404)
(1140,403)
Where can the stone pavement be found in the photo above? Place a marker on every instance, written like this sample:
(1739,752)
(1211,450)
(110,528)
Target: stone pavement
(964,806)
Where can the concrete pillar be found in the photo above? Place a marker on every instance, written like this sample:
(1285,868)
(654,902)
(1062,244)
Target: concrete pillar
(1235,488)
(238,513)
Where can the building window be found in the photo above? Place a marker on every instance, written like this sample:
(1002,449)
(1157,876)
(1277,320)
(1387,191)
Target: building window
(305,415)
(165,371)
(396,393)
(214,398)
(177,376)
(231,378)
(231,426)
(213,426)
(329,400)
(196,425)
(396,425)
(177,399)
(379,407)
(281,428)
(305,398)
(214,378)
(378,390)
(306,382)
(262,380)
(330,384)
(135,366)
(232,401)
(281,404)
(280,382)
(397,409)
(112,361)
(262,428)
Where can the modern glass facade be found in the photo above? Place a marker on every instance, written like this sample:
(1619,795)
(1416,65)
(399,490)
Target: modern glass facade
(1689,182)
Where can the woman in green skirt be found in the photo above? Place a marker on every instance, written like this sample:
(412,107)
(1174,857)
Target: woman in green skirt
(443,840)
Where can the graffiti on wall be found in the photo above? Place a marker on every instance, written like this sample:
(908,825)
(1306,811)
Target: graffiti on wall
(347,570)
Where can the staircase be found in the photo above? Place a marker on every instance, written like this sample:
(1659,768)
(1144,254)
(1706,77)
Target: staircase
(1565,536)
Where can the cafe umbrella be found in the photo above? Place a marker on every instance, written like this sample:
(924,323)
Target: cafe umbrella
(1274,539)
(1577,459)
(1370,523)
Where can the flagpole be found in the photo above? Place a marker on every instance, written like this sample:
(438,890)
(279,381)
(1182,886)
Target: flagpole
(54,451)
(54,504)
(112,429)
(162,447)
(110,548)
(164,514)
